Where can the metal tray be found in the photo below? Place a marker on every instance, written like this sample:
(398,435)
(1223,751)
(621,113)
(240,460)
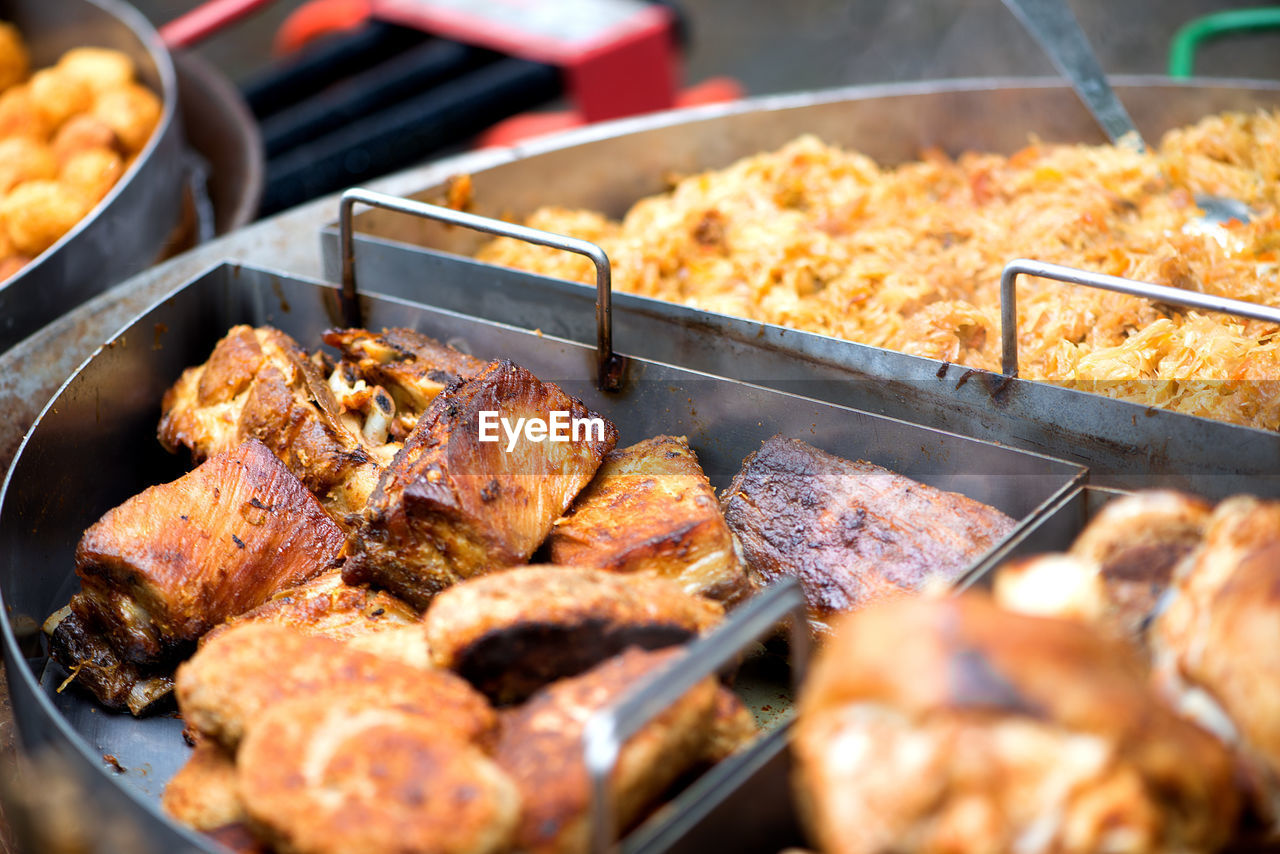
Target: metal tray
(94,445)
(609,167)
(130,228)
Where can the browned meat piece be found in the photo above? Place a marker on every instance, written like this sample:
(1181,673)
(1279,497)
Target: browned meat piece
(1216,646)
(224,688)
(452,506)
(1136,541)
(851,532)
(540,746)
(651,510)
(411,366)
(946,724)
(202,795)
(328,606)
(258,383)
(512,632)
(339,774)
(172,562)
(98,668)
(732,727)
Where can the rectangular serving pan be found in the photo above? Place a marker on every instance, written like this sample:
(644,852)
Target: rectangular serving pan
(609,167)
(94,445)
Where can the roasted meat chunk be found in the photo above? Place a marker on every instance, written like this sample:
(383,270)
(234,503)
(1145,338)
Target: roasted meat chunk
(203,793)
(651,510)
(411,366)
(851,532)
(511,632)
(540,747)
(453,504)
(1216,646)
(174,561)
(258,383)
(334,773)
(224,688)
(946,724)
(328,606)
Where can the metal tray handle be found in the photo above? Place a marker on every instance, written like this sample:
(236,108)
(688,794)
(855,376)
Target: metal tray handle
(608,364)
(1070,275)
(608,729)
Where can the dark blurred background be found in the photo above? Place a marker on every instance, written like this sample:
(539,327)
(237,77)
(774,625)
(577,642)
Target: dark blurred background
(787,45)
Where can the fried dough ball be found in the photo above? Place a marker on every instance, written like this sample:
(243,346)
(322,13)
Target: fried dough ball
(13,56)
(19,115)
(101,68)
(131,111)
(24,159)
(92,172)
(36,214)
(11,265)
(59,96)
(81,133)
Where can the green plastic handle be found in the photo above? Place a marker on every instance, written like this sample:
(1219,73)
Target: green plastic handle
(1182,50)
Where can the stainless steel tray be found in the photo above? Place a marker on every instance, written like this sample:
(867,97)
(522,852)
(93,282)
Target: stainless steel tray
(609,167)
(129,229)
(94,445)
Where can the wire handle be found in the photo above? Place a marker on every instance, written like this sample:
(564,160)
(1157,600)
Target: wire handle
(608,729)
(1073,276)
(609,365)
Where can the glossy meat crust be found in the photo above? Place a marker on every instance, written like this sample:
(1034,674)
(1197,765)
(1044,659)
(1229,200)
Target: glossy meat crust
(947,724)
(451,506)
(174,561)
(413,367)
(1216,647)
(258,383)
(224,688)
(511,632)
(343,773)
(540,747)
(851,532)
(651,510)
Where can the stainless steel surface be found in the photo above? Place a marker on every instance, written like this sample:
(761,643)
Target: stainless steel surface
(1059,34)
(608,168)
(1074,276)
(609,729)
(94,445)
(129,228)
(609,366)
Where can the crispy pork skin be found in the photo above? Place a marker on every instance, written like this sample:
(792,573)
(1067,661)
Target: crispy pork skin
(540,747)
(234,677)
(511,632)
(413,367)
(172,562)
(851,532)
(1216,646)
(1136,541)
(946,724)
(259,383)
(452,506)
(651,510)
(336,773)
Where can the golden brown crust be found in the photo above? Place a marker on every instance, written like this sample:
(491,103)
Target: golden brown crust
(931,723)
(540,747)
(259,383)
(350,774)
(651,509)
(203,793)
(224,688)
(163,568)
(851,532)
(412,366)
(452,506)
(509,633)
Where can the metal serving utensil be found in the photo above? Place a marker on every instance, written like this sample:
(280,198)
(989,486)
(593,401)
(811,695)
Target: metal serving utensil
(1058,32)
